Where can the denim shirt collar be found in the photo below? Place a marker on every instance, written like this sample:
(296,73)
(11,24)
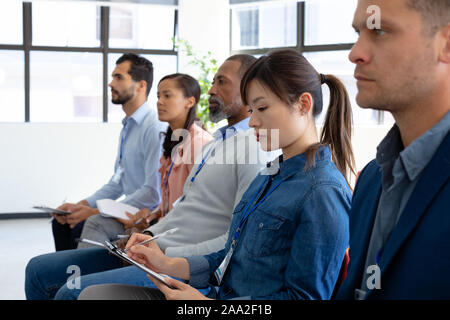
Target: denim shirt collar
(416,156)
(287,168)
(139,115)
(227,131)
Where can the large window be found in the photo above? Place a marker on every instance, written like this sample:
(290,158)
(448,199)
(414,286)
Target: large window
(57,57)
(11,22)
(11,86)
(74,95)
(320,30)
(267,26)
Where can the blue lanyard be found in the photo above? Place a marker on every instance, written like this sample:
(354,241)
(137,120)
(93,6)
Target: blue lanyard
(201,165)
(166,180)
(378,258)
(249,210)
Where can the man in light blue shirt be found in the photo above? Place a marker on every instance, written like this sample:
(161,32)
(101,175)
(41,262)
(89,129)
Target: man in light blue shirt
(136,168)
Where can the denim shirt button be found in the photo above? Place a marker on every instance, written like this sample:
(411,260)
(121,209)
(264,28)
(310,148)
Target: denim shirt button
(261,225)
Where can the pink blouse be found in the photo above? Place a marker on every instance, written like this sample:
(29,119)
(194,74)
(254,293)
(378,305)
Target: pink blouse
(172,189)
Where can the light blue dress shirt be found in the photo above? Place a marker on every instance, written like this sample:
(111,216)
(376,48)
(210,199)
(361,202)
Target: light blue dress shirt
(140,144)
(227,131)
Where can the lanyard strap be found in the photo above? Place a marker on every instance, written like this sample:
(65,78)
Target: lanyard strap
(200,167)
(201,164)
(166,180)
(248,210)
(220,271)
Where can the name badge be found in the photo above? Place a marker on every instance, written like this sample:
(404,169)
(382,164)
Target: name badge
(220,271)
(118,175)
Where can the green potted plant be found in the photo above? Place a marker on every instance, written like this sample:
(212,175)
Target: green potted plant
(207,66)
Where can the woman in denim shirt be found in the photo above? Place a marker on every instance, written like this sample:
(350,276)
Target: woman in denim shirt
(289,233)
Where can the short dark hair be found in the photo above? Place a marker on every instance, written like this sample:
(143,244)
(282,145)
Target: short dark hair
(246,61)
(435,13)
(140,69)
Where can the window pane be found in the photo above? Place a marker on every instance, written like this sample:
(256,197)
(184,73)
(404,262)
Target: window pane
(65,24)
(264,26)
(65,87)
(11,22)
(329,21)
(12,93)
(141,26)
(337,63)
(162,66)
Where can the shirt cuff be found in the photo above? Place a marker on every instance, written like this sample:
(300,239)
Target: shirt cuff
(92,202)
(199,271)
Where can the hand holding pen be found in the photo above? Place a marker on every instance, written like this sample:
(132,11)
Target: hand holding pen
(149,255)
(146,239)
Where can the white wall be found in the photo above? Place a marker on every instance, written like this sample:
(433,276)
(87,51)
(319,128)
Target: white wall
(365,141)
(45,163)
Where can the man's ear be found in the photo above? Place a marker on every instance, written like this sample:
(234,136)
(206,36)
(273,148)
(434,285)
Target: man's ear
(304,103)
(143,85)
(444,48)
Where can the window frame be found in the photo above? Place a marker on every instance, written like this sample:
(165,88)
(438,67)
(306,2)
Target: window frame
(104,49)
(300,47)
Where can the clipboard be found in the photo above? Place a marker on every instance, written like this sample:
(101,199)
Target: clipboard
(51,210)
(113,249)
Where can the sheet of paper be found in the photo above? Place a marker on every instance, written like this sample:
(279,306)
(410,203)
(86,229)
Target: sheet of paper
(111,208)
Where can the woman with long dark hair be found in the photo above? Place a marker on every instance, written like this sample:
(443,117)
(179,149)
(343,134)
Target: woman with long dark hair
(178,95)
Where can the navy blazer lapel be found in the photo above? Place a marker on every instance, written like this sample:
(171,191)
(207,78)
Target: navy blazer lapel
(364,206)
(434,176)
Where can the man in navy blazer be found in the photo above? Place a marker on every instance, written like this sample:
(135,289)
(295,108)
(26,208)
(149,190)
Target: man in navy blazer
(400,217)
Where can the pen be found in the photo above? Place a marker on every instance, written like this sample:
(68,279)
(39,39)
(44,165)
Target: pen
(148,215)
(154,238)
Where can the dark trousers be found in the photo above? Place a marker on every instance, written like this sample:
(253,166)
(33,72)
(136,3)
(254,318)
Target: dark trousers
(64,236)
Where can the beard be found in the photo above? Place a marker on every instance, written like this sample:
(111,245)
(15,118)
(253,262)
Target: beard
(221,111)
(124,97)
